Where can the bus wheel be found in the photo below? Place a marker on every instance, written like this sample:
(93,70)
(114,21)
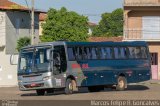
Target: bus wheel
(121,83)
(69,87)
(40,92)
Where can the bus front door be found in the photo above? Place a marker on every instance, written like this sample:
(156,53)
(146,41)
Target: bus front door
(59,66)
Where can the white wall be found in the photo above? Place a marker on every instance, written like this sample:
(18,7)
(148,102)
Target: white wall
(8,72)
(2,28)
(8,39)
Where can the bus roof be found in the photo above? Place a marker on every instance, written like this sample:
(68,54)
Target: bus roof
(134,43)
(45,44)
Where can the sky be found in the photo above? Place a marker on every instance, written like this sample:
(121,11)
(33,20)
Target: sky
(91,8)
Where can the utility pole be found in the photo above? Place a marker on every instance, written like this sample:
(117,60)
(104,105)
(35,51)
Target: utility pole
(32,25)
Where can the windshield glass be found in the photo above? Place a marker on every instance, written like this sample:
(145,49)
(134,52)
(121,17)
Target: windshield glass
(34,62)
(42,59)
(26,62)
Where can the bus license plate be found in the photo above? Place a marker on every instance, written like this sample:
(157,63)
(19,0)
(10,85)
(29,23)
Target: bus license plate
(33,85)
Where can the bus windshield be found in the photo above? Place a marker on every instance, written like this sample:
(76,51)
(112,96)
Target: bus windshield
(26,61)
(34,61)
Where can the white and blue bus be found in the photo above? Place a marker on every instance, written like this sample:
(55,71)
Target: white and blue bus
(68,65)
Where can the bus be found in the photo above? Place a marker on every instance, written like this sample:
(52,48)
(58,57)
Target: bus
(65,65)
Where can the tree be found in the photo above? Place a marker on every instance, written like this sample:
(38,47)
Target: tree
(111,24)
(24,41)
(64,25)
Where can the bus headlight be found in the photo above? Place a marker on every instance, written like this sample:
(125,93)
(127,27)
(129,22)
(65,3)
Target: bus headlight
(46,78)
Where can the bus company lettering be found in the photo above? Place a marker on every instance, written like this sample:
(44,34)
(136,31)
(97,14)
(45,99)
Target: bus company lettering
(84,66)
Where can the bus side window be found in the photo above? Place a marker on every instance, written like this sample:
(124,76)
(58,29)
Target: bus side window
(94,53)
(123,52)
(102,53)
(108,53)
(120,53)
(87,53)
(143,52)
(78,53)
(116,53)
(138,52)
(131,52)
(134,52)
(71,54)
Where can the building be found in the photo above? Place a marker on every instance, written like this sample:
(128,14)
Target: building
(142,23)
(14,23)
(106,39)
(91,26)
(42,18)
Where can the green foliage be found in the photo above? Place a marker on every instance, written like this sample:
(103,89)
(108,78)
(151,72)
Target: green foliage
(64,25)
(24,41)
(96,31)
(111,24)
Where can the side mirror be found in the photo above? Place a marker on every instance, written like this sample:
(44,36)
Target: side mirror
(14,59)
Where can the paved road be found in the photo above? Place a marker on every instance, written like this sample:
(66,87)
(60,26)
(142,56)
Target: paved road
(134,92)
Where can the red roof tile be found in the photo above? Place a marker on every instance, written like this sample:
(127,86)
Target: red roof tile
(6,4)
(103,39)
(91,24)
(42,16)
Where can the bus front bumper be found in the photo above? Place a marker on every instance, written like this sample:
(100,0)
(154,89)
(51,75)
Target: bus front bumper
(26,86)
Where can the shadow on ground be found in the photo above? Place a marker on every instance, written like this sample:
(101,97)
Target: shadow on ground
(85,90)
(137,88)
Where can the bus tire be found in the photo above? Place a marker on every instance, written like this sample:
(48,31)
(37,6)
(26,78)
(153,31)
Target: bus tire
(69,86)
(121,83)
(40,92)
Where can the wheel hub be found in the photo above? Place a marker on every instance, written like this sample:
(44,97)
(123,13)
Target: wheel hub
(70,86)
